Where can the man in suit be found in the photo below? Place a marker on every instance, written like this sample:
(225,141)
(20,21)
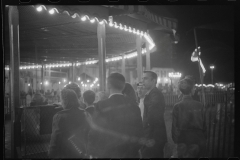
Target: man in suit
(153,118)
(117,124)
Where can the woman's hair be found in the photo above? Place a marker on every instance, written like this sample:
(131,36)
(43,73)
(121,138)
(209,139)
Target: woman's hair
(73,86)
(185,86)
(129,92)
(69,98)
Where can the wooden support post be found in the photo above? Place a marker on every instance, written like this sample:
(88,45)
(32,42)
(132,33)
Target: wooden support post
(42,76)
(14,74)
(123,65)
(148,60)
(139,57)
(101,33)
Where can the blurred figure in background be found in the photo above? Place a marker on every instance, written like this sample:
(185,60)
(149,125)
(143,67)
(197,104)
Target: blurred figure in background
(188,125)
(88,99)
(129,92)
(38,99)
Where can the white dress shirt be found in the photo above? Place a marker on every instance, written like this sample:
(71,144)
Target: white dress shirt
(141,106)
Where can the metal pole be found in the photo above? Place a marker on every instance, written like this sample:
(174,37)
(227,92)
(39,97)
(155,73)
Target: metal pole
(101,32)
(14,72)
(139,57)
(148,60)
(201,77)
(212,75)
(123,65)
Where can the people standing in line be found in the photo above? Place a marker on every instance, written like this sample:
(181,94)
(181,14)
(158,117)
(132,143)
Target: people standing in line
(69,129)
(88,99)
(188,125)
(128,91)
(153,118)
(117,126)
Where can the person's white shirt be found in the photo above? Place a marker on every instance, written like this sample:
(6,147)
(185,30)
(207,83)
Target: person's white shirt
(141,106)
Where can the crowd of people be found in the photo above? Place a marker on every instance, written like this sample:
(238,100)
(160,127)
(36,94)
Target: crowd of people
(122,123)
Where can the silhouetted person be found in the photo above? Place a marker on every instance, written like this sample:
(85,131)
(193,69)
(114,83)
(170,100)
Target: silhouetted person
(69,128)
(188,126)
(153,118)
(117,126)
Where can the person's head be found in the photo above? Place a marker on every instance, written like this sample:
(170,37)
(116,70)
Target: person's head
(88,97)
(149,79)
(38,98)
(69,99)
(73,86)
(186,86)
(115,82)
(129,92)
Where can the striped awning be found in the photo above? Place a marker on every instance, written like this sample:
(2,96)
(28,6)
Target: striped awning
(168,23)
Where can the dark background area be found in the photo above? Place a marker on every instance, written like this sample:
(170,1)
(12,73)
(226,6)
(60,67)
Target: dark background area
(217,45)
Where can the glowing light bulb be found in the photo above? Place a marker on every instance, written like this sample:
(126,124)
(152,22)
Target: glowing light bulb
(92,20)
(78,78)
(28,84)
(59,82)
(39,9)
(87,80)
(51,11)
(84,18)
(110,24)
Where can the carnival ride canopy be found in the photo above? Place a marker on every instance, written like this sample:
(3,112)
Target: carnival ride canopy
(69,33)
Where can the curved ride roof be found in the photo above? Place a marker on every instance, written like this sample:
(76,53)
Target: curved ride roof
(56,38)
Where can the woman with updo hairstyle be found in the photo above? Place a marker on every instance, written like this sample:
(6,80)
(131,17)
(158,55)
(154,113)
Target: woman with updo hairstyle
(188,124)
(69,128)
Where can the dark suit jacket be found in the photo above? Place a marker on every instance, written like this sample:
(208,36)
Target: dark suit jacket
(117,128)
(153,123)
(66,124)
(188,125)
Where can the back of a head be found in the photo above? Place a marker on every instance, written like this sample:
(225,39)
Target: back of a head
(129,91)
(73,86)
(89,97)
(117,81)
(69,98)
(185,86)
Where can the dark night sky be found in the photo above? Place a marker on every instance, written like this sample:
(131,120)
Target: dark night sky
(217,46)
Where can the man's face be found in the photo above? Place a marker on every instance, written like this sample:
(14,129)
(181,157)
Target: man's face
(148,81)
(141,91)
